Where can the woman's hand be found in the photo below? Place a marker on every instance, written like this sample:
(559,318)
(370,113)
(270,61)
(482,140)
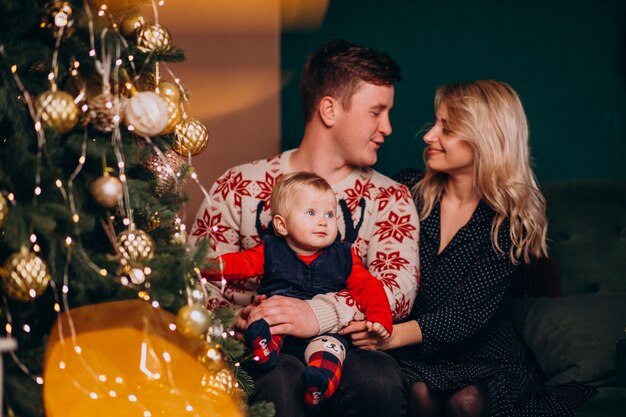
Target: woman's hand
(364,339)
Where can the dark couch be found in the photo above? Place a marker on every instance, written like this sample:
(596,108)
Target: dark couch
(574,309)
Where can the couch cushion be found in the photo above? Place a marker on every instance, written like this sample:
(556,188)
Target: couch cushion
(574,338)
(608,402)
(587,234)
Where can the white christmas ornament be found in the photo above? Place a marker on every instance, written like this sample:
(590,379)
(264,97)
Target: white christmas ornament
(146,113)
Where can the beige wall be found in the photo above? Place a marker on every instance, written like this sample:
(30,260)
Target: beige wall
(232,72)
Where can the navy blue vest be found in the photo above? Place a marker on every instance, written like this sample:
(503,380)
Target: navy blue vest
(285,274)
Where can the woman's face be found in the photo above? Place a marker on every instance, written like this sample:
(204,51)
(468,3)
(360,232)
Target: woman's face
(446,152)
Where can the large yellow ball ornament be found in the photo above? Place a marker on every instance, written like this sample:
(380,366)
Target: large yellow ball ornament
(193,320)
(24,275)
(123,358)
(107,191)
(191,137)
(56,110)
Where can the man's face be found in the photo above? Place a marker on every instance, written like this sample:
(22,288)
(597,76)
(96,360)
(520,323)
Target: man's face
(360,130)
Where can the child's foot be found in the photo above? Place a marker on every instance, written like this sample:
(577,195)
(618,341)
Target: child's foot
(264,346)
(321,378)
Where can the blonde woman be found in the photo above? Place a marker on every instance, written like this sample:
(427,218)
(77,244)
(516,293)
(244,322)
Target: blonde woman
(481,215)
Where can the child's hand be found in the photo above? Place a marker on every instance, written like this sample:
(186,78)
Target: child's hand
(377,328)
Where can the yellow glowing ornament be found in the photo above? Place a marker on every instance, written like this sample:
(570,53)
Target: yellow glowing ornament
(125,358)
(193,320)
(211,356)
(191,137)
(24,275)
(131,23)
(106,190)
(56,110)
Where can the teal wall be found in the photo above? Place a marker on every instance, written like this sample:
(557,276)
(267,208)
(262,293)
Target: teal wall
(567,60)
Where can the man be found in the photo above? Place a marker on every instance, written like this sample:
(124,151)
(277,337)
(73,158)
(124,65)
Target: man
(347,93)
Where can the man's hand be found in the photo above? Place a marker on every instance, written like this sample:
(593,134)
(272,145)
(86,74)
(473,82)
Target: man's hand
(241,321)
(286,315)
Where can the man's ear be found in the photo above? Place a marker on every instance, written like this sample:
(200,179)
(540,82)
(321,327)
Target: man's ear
(280,226)
(328,110)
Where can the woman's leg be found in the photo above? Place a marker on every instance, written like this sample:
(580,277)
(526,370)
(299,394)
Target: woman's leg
(422,402)
(466,402)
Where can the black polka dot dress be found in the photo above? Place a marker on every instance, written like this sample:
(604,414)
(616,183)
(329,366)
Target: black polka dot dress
(468,337)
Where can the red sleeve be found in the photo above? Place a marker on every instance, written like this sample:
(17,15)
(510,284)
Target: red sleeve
(237,265)
(369,293)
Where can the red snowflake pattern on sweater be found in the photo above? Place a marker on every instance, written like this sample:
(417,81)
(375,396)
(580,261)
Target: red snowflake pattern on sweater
(354,195)
(385,194)
(211,227)
(238,185)
(266,187)
(397,227)
(391,260)
(402,308)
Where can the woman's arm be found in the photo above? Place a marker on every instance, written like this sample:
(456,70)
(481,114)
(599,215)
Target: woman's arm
(404,334)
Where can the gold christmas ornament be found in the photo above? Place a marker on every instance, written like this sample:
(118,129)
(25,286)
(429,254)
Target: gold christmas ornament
(24,275)
(174,114)
(193,320)
(106,190)
(168,172)
(154,222)
(130,24)
(56,110)
(134,247)
(106,111)
(154,38)
(211,356)
(4,209)
(169,90)
(56,15)
(146,113)
(191,137)
(222,383)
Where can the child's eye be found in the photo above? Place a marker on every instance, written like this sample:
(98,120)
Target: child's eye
(330,215)
(310,213)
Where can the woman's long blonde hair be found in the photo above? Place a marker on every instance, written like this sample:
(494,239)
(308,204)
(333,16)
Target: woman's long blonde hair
(489,116)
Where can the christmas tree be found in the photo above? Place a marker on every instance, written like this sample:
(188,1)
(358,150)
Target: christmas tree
(104,299)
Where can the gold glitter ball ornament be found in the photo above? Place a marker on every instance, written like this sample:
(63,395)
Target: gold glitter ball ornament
(106,111)
(24,275)
(211,356)
(4,209)
(134,247)
(193,320)
(168,171)
(146,113)
(192,137)
(106,191)
(169,90)
(174,114)
(155,38)
(56,110)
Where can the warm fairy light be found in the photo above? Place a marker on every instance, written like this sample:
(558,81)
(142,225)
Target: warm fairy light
(102,378)
(39,380)
(155,304)
(11,197)
(177,80)
(172,326)
(37,126)
(84,108)
(92,53)
(93,395)
(58,183)
(51,76)
(161,2)
(26,328)
(76,218)
(189,408)
(81,160)
(36,247)
(237,364)
(78,349)
(37,190)
(32,293)
(119,380)
(130,59)
(13,69)
(120,165)
(100,13)
(8,328)
(147,270)
(76,64)
(104,7)
(33,238)
(116,119)
(61,365)
(108,105)
(183,227)
(124,281)
(57,307)
(68,241)
(65,289)
(103,272)
(126,222)
(167,357)
(132,398)
(112,394)
(118,62)
(147,414)
(123,178)
(74,72)
(130,128)
(194,176)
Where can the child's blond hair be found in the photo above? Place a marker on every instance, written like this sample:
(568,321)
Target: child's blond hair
(288,185)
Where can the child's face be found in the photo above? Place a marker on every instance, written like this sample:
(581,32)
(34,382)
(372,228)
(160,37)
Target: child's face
(310,223)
